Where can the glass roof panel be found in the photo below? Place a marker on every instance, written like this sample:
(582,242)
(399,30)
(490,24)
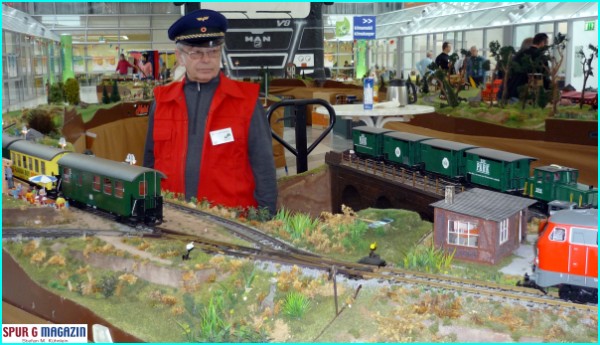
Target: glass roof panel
(444,16)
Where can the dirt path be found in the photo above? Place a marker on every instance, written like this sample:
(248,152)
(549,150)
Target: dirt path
(582,157)
(116,241)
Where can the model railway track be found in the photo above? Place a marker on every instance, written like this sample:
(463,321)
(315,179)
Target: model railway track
(245,232)
(411,178)
(15,233)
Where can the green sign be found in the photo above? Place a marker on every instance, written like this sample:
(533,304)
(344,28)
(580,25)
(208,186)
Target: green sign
(589,26)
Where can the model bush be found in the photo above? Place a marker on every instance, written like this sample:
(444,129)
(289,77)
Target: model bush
(108,285)
(55,94)
(586,65)
(72,91)
(114,96)
(41,121)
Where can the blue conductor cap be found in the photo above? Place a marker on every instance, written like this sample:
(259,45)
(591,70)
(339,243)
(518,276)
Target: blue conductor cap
(204,28)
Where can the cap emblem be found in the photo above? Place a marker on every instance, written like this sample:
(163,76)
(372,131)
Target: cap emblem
(201,19)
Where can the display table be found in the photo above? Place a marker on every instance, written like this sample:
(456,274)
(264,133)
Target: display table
(381,113)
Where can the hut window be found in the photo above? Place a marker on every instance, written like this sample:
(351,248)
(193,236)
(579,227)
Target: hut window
(119,189)
(142,188)
(462,233)
(67,175)
(558,235)
(96,183)
(504,231)
(107,186)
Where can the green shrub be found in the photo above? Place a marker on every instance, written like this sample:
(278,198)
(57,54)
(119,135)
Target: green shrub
(115,97)
(190,304)
(428,259)
(41,121)
(295,305)
(108,285)
(55,94)
(72,91)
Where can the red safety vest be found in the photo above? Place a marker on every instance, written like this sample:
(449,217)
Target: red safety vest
(225,171)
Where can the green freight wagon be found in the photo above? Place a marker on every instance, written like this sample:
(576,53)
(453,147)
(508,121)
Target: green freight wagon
(117,187)
(553,182)
(403,148)
(368,141)
(500,170)
(445,157)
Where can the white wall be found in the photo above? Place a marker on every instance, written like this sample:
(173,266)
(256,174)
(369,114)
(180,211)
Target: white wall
(580,38)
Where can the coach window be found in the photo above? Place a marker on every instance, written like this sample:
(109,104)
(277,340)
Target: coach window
(96,183)
(43,168)
(558,235)
(584,236)
(24,162)
(67,175)
(80,179)
(119,189)
(142,188)
(30,164)
(37,165)
(107,186)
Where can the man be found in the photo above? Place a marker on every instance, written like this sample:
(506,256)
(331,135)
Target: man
(207,133)
(519,73)
(422,65)
(443,60)
(123,65)
(475,67)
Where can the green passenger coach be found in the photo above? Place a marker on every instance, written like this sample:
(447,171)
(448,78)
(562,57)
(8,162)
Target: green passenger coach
(503,171)
(128,191)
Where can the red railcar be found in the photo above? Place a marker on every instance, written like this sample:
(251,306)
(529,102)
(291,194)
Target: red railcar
(567,255)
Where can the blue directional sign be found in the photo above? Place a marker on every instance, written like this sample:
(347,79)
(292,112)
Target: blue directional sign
(364,27)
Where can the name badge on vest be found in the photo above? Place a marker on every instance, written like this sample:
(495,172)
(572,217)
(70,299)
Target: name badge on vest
(221,136)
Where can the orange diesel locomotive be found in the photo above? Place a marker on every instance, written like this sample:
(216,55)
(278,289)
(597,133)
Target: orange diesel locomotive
(567,255)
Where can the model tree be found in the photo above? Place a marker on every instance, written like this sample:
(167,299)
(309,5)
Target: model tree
(105,97)
(503,57)
(586,65)
(558,47)
(114,96)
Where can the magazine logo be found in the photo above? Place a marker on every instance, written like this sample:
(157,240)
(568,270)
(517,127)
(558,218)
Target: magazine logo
(44,333)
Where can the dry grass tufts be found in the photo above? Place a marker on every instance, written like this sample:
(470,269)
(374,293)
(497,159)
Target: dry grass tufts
(144,245)
(443,306)
(168,300)
(38,257)
(509,317)
(281,332)
(217,261)
(177,310)
(554,334)
(404,326)
(30,247)
(56,260)
(236,264)
(287,280)
(128,278)
(168,254)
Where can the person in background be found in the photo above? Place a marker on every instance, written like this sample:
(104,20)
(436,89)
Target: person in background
(207,133)
(9,177)
(426,61)
(443,60)
(123,65)
(475,67)
(519,76)
(145,67)
(527,42)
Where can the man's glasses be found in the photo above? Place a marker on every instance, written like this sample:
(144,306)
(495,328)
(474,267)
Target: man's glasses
(200,54)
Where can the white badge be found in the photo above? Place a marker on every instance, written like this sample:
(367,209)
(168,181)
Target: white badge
(221,136)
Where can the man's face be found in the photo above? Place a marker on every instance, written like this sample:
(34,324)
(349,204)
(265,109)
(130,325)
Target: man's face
(473,52)
(201,64)
(448,48)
